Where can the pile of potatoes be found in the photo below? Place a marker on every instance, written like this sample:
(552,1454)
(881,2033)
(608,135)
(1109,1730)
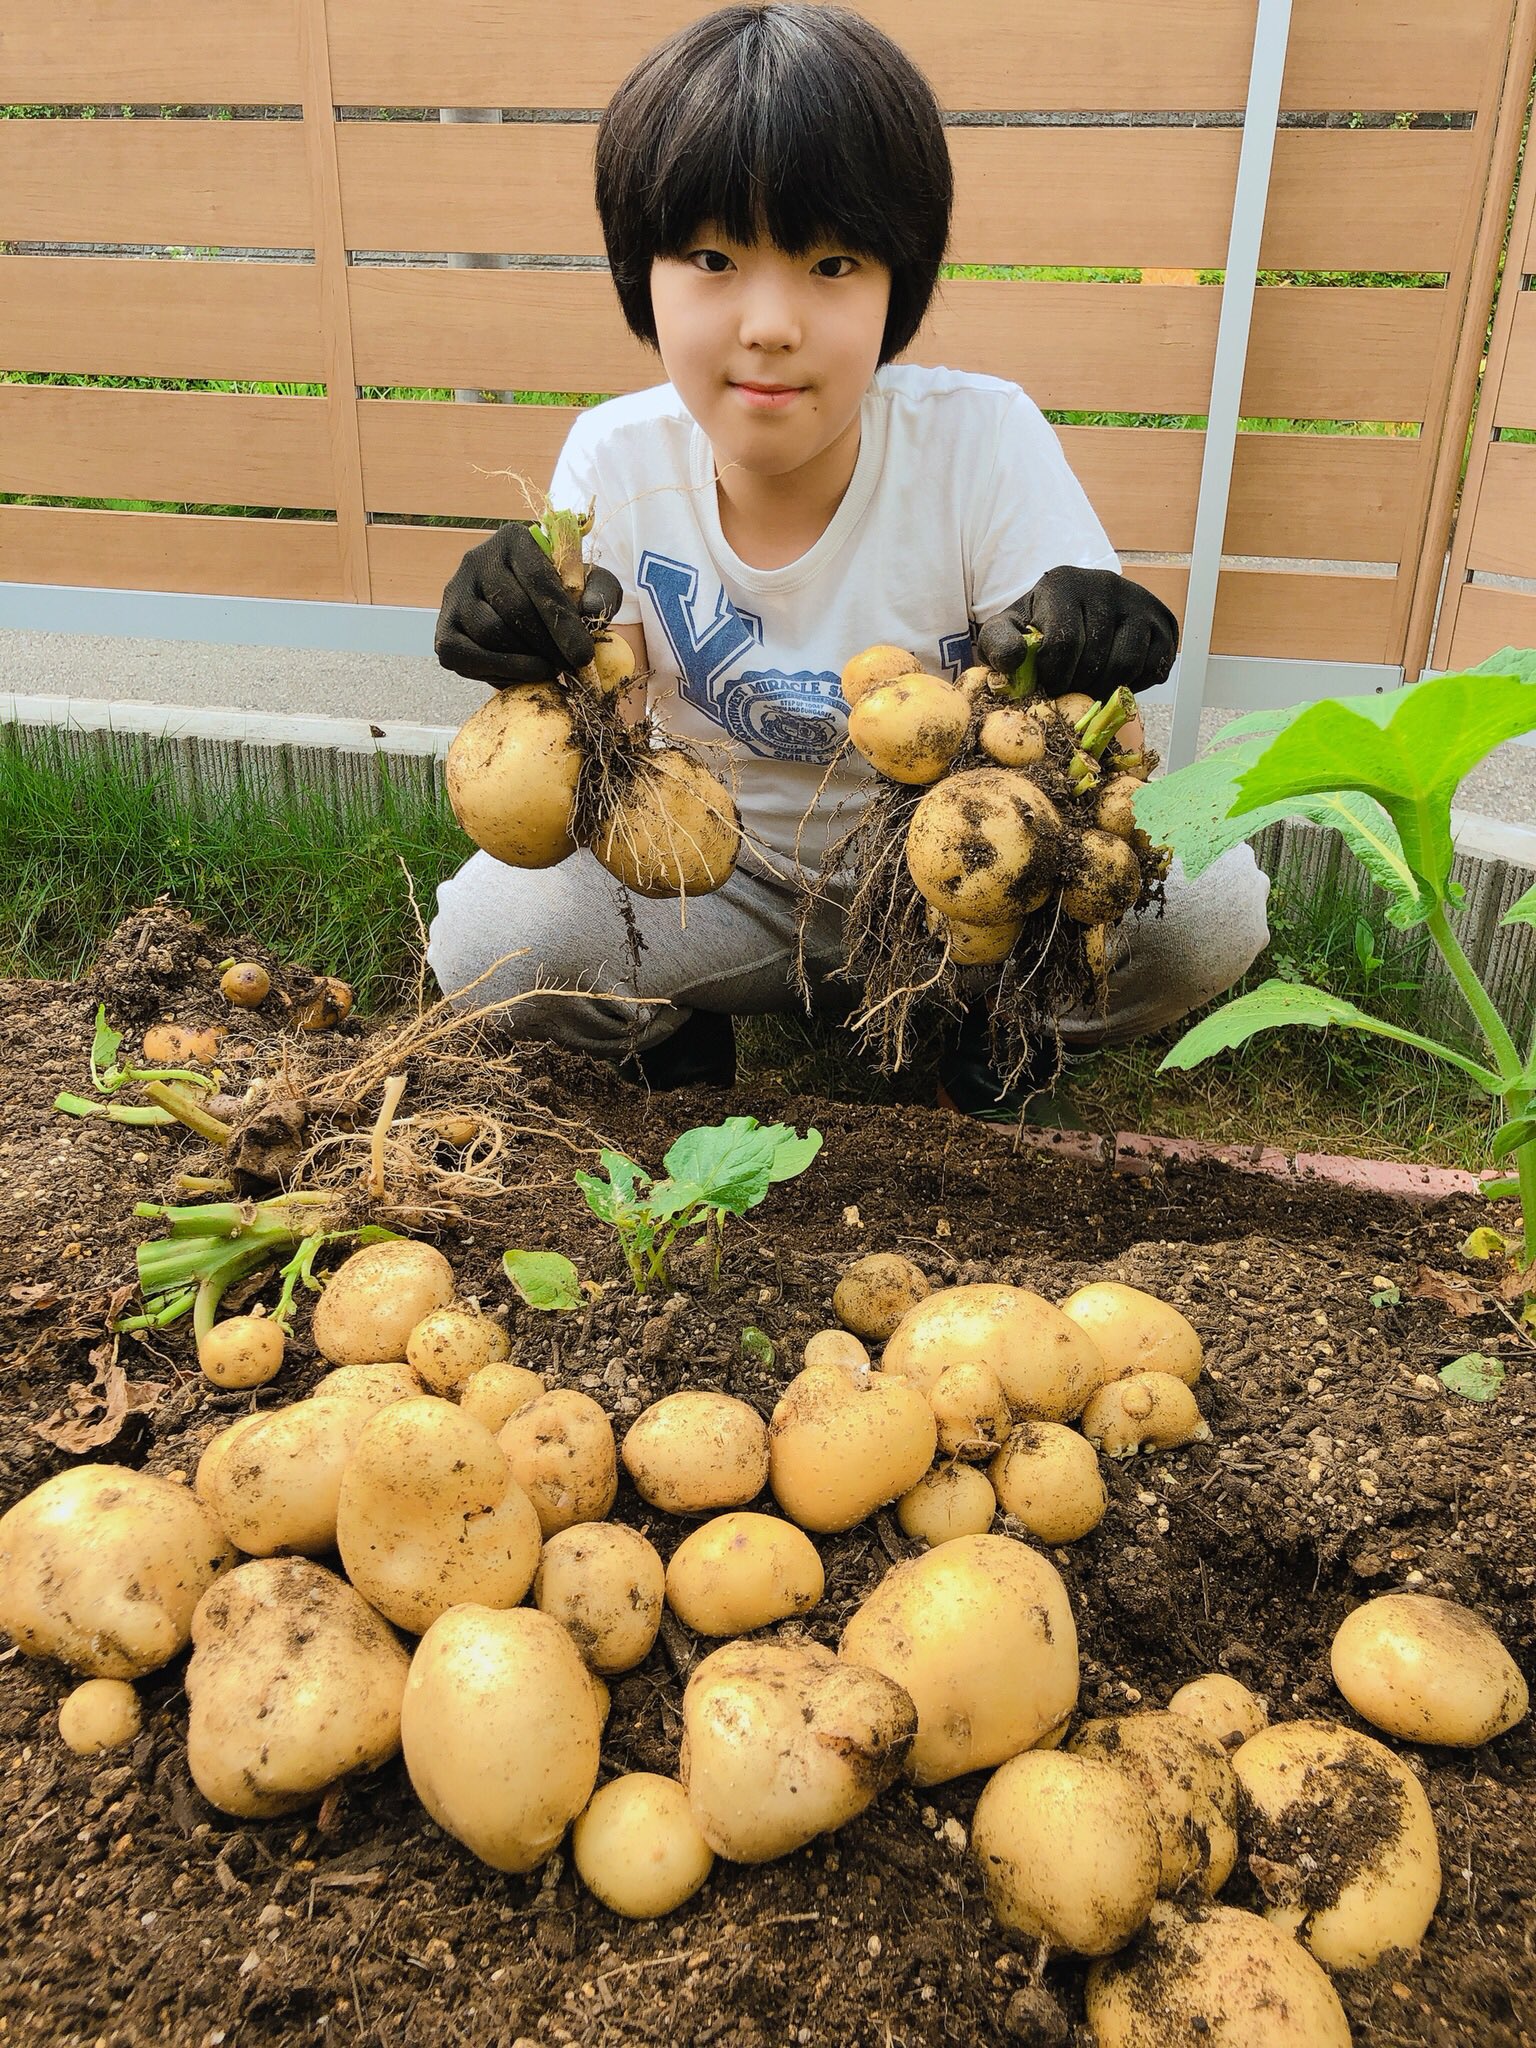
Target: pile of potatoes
(484,1599)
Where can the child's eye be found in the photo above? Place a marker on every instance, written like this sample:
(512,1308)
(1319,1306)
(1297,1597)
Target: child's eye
(822,268)
(713,262)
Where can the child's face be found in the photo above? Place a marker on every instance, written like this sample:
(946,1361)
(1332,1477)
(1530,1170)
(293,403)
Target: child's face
(735,318)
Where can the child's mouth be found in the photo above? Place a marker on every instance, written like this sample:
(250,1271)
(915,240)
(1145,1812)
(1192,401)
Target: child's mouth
(767,397)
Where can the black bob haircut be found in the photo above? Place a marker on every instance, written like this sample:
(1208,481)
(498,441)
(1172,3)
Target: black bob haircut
(803,124)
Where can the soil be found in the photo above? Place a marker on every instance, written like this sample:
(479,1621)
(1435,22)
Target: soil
(1339,1466)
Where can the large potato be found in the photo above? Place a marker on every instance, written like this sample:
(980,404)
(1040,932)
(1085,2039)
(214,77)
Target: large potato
(697,1452)
(1428,1670)
(501,1729)
(429,1515)
(511,775)
(293,1682)
(1047,1477)
(101,1567)
(1135,1332)
(372,1302)
(1212,1977)
(782,1742)
(874,1294)
(1068,1852)
(741,1572)
(949,1501)
(605,1584)
(980,1633)
(1340,1835)
(1189,1788)
(560,1447)
(638,1846)
(272,1481)
(1046,1365)
(843,1442)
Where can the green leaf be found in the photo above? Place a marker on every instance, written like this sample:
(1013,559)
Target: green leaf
(1274,1004)
(1509,661)
(725,1166)
(625,1175)
(1476,1376)
(1387,1297)
(1498,1190)
(792,1154)
(1484,1243)
(1523,912)
(543,1279)
(104,1047)
(602,1196)
(758,1346)
(1520,1130)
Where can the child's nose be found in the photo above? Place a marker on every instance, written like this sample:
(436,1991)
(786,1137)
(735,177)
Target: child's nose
(770,319)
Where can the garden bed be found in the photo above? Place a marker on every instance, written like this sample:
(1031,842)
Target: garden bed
(1338,1466)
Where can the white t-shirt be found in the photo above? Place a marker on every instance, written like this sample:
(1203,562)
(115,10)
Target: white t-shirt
(960,501)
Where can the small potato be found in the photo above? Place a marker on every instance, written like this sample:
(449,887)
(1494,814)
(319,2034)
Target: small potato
(101,1568)
(980,1632)
(875,1293)
(1046,1365)
(245,983)
(1428,1670)
(605,1584)
(103,1713)
(696,1452)
(1073,706)
(1047,1477)
(1189,1788)
(1068,1852)
(1150,1411)
(377,1385)
(911,728)
(971,1410)
(560,1447)
(1213,1977)
(1308,1787)
(293,1683)
(876,665)
(742,1572)
(843,1442)
(1014,735)
(975,945)
(273,1484)
(172,1045)
(449,1345)
(372,1302)
(1115,805)
(834,1347)
(949,1501)
(501,1731)
(637,1846)
(243,1351)
(1135,1332)
(1106,882)
(1220,1707)
(783,1742)
(494,1394)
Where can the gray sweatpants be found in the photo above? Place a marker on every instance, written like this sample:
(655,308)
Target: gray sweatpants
(565,929)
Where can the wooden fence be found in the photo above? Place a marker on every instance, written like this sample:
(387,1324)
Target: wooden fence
(1335,540)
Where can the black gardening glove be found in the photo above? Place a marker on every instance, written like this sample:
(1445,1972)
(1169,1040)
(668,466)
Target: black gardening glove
(507,617)
(1098,631)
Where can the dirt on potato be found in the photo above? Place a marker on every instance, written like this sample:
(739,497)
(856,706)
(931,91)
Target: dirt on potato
(1338,1466)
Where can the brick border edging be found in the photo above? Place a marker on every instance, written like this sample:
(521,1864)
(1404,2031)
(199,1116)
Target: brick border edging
(1141,1154)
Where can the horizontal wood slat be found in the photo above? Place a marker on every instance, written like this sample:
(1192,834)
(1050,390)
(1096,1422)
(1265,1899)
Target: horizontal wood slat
(152,53)
(1317,353)
(1487,620)
(1376,199)
(170,551)
(1503,539)
(1516,405)
(113,316)
(201,448)
(1105,55)
(220,184)
(436,458)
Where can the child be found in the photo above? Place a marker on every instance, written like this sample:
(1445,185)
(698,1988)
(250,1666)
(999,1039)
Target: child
(775,192)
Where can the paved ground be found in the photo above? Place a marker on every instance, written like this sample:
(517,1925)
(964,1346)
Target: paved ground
(415,690)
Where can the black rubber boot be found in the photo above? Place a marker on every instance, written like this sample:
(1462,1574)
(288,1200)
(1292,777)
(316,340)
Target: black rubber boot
(969,1084)
(701,1053)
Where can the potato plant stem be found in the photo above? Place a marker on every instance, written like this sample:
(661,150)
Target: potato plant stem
(167,1095)
(1499,1042)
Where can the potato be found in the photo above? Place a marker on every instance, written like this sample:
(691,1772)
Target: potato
(273,1483)
(1339,1833)
(696,1452)
(1115,805)
(429,1515)
(103,1713)
(783,1742)
(245,983)
(1220,1707)
(605,1585)
(876,665)
(1428,1670)
(1014,735)
(372,1302)
(1047,1477)
(293,1682)
(980,1633)
(843,1442)
(101,1567)
(975,945)
(449,1345)
(981,844)
(1189,1788)
(971,1410)
(494,1394)
(741,1572)
(1068,1852)
(1107,880)
(834,1347)
(560,1447)
(874,1294)
(501,1731)
(1212,1977)
(511,775)
(243,1351)
(1135,1332)
(1149,1411)
(1046,1365)
(638,1847)
(376,1385)
(949,1501)
(677,831)
(911,728)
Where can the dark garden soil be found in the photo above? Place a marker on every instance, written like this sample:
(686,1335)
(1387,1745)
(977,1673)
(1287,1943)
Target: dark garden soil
(1338,1467)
